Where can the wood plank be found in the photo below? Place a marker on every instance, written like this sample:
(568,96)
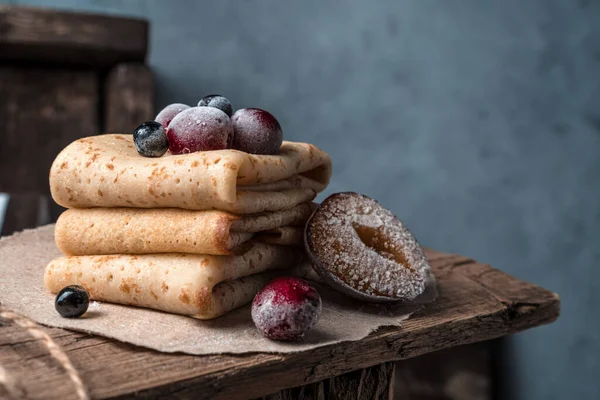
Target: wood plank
(40,113)
(372,383)
(30,360)
(49,36)
(470,309)
(313,391)
(129,94)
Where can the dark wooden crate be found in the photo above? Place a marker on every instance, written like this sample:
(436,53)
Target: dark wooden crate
(63,76)
(41,36)
(43,110)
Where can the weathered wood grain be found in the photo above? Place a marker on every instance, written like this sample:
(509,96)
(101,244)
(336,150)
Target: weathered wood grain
(312,391)
(129,97)
(476,303)
(372,383)
(76,39)
(29,361)
(41,111)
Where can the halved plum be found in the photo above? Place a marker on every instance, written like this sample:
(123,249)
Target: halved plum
(362,249)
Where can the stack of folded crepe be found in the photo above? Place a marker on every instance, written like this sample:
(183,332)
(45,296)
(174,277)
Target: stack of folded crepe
(196,234)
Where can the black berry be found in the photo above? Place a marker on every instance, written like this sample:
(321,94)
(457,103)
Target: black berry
(217,101)
(72,301)
(150,139)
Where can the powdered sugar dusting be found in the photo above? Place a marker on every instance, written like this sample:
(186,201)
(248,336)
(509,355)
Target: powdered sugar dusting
(256,131)
(169,112)
(286,308)
(199,129)
(367,247)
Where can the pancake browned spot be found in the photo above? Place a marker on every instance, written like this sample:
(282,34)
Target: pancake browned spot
(184,296)
(124,287)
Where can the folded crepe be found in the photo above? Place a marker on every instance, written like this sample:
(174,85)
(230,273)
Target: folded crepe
(101,231)
(107,171)
(200,286)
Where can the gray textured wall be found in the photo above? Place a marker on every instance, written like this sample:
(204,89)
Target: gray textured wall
(477,122)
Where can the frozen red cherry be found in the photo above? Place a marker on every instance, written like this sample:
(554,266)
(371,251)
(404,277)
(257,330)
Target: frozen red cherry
(199,129)
(169,112)
(256,131)
(286,308)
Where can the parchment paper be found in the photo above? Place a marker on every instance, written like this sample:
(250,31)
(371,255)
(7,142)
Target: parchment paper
(24,256)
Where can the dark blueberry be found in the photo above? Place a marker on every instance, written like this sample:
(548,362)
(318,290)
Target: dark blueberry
(72,301)
(150,139)
(217,101)
(256,131)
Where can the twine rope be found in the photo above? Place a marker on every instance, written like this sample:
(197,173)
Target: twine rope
(55,351)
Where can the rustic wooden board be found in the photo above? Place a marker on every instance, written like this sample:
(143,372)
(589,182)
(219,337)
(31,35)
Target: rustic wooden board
(41,111)
(476,303)
(49,36)
(372,383)
(129,97)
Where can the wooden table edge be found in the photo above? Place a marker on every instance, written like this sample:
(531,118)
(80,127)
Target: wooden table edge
(394,340)
(511,305)
(513,315)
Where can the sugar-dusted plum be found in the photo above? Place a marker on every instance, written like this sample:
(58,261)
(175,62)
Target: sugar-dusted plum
(364,250)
